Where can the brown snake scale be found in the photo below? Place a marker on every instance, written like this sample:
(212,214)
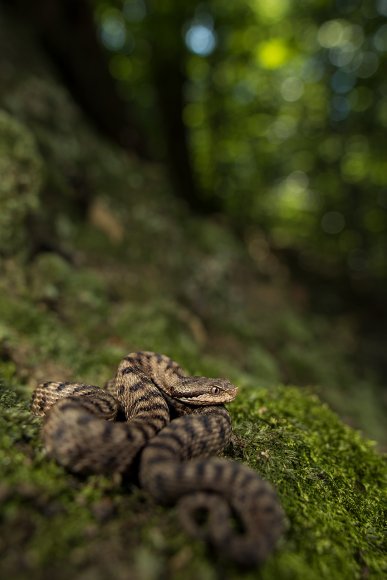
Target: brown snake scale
(152,412)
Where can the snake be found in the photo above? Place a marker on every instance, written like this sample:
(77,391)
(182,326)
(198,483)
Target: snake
(154,419)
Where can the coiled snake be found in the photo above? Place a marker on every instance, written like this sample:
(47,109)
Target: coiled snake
(152,411)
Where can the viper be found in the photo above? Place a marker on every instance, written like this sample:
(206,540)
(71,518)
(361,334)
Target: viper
(166,424)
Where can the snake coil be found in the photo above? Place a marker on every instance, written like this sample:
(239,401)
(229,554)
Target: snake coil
(172,422)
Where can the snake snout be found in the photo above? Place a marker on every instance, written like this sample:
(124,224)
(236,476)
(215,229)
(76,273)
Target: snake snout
(229,390)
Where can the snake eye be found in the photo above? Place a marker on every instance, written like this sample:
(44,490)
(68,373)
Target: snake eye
(215,390)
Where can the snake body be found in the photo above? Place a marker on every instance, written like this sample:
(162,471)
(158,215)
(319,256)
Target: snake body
(153,412)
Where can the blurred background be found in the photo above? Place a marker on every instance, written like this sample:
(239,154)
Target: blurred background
(271,117)
(282,108)
(274,115)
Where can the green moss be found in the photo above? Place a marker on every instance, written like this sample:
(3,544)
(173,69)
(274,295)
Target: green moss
(21,181)
(329,479)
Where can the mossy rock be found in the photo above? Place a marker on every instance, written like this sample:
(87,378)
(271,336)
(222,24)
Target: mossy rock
(21,170)
(329,479)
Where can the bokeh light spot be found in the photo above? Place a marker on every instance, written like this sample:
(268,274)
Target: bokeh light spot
(273,53)
(340,34)
(293,193)
(380,38)
(113,32)
(292,89)
(200,39)
(282,128)
(330,33)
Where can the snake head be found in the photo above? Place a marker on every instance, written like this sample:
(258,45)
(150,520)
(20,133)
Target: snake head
(204,391)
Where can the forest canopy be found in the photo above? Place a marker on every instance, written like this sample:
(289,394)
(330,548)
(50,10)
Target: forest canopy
(284,110)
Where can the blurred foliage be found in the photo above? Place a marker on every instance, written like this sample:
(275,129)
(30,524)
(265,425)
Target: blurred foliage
(21,181)
(286,110)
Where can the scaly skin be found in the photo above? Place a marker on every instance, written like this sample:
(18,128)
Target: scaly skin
(172,422)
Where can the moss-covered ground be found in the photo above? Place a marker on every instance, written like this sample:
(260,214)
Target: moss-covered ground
(329,479)
(98,259)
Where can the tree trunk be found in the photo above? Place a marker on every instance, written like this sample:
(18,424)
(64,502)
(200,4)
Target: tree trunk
(67,31)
